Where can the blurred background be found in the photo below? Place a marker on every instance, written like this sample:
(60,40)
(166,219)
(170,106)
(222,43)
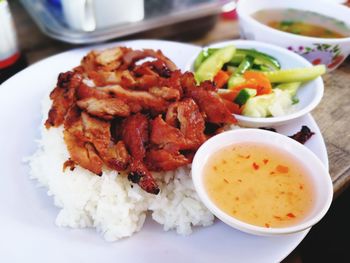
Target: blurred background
(41,22)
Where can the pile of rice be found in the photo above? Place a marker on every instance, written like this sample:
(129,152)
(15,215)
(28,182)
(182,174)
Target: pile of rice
(110,203)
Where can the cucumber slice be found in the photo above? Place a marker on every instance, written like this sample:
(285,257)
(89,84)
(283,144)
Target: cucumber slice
(238,57)
(258,106)
(202,56)
(236,78)
(244,95)
(277,103)
(265,60)
(234,81)
(212,51)
(246,64)
(261,60)
(211,66)
(296,75)
(260,68)
(290,87)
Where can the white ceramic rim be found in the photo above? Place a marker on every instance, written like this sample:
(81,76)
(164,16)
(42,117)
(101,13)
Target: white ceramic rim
(241,12)
(200,159)
(279,120)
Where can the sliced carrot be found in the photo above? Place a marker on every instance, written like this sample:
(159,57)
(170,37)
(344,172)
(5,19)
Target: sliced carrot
(262,83)
(221,78)
(255,80)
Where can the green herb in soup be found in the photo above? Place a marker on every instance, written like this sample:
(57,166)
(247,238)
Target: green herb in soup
(305,29)
(303,23)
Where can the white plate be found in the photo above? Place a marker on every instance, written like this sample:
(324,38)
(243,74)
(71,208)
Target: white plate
(27,229)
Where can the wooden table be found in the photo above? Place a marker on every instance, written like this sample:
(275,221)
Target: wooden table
(332,115)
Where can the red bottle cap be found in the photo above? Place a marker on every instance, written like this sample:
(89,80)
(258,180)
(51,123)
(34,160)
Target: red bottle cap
(9,61)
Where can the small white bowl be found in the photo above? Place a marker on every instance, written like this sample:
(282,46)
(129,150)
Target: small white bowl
(318,174)
(329,51)
(309,95)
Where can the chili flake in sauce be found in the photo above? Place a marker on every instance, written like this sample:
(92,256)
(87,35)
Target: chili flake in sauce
(269,189)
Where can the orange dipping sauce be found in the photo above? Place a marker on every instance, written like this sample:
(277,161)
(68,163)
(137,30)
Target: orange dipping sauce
(259,184)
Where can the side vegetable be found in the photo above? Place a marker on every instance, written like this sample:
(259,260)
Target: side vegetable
(277,103)
(253,80)
(244,95)
(261,60)
(296,75)
(208,69)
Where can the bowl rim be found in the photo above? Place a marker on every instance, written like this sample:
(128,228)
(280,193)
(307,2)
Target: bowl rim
(243,14)
(199,163)
(276,120)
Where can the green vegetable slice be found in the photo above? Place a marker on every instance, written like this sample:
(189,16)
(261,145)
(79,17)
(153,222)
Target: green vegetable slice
(290,87)
(203,55)
(238,57)
(246,64)
(296,75)
(236,78)
(200,58)
(211,66)
(244,95)
(235,81)
(277,103)
(260,68)
(262,60)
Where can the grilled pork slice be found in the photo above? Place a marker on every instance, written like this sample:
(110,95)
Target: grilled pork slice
(165,93)
(135,136)
(139,174)
(118,157)
(165,135)
(94,134)
(191,121)
(133,56)
(98,133)
(165,159)
(83,153)
(184,127)
(84,91)
(105,108)
(103,78)
(208,100)
(106,60)
(145,100)
(63,97)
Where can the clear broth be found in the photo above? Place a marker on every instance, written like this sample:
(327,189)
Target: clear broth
(304,23)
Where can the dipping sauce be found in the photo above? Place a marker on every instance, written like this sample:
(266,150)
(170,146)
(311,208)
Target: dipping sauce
(259,184)
(304,23)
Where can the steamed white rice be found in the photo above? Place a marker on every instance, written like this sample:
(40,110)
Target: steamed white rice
(110,203)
